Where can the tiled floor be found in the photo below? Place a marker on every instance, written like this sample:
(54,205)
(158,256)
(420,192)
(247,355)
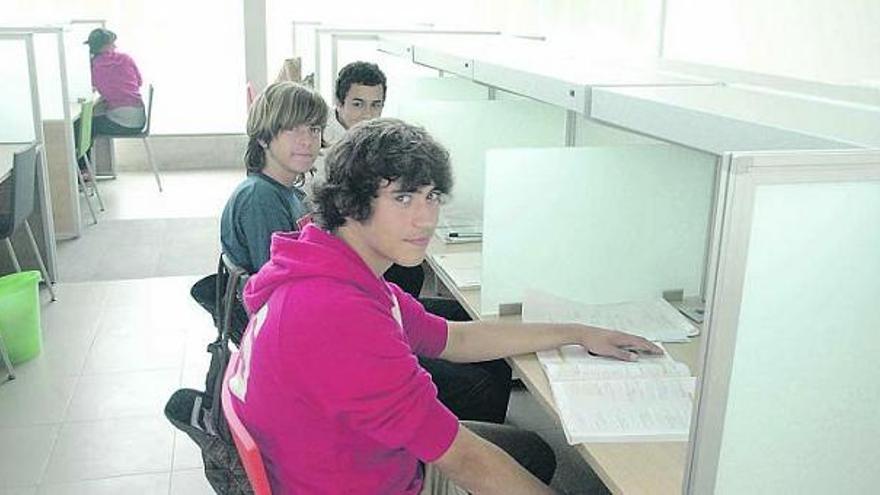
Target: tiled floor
(86,416)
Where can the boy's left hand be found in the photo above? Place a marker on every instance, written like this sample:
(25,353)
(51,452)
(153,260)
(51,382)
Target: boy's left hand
(618,345)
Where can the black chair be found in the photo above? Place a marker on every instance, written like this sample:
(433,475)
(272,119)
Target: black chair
(218,295)
(16,205)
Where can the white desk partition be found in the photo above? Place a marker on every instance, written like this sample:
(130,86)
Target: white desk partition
(789,398)
(596,225)
(327,40)
(64,76)
(721,119)
(79,67)
(423,89)
(17,113)
(468,129)
(21,122)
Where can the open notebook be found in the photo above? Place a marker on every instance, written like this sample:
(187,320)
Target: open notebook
(606,400)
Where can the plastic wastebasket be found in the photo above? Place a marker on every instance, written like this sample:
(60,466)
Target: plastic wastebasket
(20,315)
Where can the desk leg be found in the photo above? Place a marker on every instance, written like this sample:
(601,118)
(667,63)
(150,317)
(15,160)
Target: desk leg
(104,157)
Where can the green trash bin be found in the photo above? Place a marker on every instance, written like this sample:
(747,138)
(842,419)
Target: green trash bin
(20,315)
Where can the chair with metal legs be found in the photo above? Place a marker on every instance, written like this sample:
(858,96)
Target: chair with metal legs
(144,136)
(83,149)
(17,205)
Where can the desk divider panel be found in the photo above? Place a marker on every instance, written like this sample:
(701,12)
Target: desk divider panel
(419,89)
(79,63)
(790,398)
(469,129)
(16,110)
(49,75)
(595,225)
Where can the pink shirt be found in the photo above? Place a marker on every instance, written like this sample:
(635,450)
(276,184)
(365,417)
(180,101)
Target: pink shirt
(117,79)
(331,389)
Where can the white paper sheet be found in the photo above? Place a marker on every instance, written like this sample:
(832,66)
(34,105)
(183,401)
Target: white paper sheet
(463,268)
(655,320)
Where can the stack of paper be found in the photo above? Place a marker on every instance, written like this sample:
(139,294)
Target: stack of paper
(655,320)
(605,400)
(463,268)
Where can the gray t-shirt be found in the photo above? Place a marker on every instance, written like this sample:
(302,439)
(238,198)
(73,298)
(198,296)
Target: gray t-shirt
(258,207)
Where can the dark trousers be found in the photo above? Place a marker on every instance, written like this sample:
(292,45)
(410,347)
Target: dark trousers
(472,391)
(102,125)
(526,447)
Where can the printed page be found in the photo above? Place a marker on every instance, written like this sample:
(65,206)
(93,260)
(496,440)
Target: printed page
(463,268)
(572,362)
(655,320)
(625,410)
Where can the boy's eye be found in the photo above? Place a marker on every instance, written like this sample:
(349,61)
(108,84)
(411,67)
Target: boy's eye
(378,104)
(356,104)
(404,199)
(436,197)
(316,130)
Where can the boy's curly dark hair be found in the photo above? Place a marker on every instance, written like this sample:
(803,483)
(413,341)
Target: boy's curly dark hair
(371,153)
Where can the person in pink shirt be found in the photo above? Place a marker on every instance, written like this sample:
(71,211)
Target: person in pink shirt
(117,79)
(329,384)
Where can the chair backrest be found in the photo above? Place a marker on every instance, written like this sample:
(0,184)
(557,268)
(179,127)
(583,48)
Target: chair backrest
(146,131)
(85,128)
(236,277)
(248,451)
(21,191)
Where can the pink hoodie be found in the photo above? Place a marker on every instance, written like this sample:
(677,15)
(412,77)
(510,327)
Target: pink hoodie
(117,79)
(331,389)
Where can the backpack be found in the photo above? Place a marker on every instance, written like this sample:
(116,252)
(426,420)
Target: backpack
(200,414)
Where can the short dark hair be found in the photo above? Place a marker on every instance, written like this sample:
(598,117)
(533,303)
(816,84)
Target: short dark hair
(365,73)
(280,107)
(370,154)
(98,39)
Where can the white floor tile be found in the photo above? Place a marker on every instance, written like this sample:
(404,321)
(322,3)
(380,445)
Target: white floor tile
(24,454)
(143,484)
(138,350)
(190,482)
(34,399)
(186,453)
(108,448)
(118,395)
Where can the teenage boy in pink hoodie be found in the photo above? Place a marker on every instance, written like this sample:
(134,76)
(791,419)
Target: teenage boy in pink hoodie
(330,386)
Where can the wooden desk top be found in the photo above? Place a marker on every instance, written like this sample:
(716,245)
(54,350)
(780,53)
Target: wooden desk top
(651,468)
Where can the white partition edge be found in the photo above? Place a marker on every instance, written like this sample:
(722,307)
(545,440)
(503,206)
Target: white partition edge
(746,171)
(376,32)
(293,25)
(697,129)
(863,95)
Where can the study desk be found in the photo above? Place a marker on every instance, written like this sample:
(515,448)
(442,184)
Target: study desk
(650,468)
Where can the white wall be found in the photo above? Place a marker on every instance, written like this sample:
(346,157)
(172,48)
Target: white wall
(823,40)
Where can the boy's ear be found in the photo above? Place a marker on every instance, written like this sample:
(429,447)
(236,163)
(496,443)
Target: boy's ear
(263,144)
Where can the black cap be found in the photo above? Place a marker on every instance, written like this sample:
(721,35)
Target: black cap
(98,39)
